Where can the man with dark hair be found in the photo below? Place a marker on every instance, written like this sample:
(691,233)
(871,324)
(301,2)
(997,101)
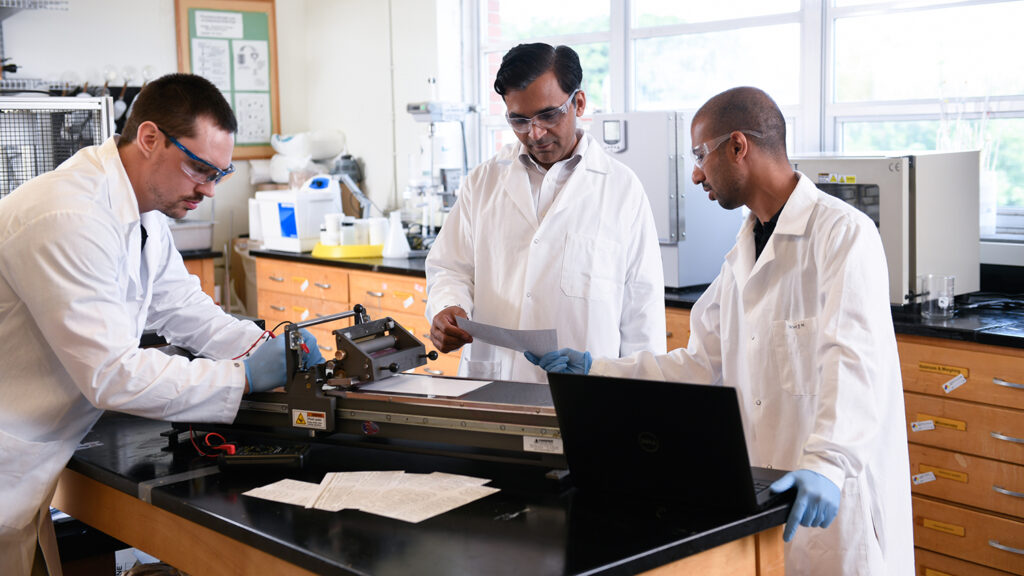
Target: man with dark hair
(550,233)
(798,322)
(87,263)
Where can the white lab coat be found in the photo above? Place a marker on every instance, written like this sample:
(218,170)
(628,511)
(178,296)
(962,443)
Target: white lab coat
(591,268)
(805,335)
(74,301)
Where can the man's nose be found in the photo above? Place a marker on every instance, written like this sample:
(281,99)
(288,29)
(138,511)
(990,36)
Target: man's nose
(206,189)
(536,131)
(698,174)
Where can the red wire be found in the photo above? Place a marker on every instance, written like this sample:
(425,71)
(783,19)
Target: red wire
(258,340)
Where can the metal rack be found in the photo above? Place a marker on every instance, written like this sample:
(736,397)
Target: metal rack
(37,134)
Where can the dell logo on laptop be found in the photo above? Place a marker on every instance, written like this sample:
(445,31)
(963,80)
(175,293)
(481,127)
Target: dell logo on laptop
(648,442)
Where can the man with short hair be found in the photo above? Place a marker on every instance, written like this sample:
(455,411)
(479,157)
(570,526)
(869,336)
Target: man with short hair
(550,233)
(798,321)
(87,263)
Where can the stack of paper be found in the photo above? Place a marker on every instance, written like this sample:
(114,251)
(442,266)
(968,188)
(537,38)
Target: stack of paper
(394,494)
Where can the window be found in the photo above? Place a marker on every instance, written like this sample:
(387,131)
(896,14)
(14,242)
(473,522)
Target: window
(850,75)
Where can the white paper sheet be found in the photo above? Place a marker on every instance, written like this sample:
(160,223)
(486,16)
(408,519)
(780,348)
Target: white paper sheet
(540,342)
(287,491)
(393,493)
(424,385)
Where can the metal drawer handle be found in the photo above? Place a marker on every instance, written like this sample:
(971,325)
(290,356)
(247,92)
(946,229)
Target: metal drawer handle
(324,286)
(425,335)
(424,300)
(1002,490)
(995,544)
(999,436)
(375,294)
(278,308)
(668,334)
(1001,382)
(276,278)
(325,348)
(434,372)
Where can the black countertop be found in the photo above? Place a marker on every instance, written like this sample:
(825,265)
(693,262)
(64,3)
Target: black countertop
(532,526)
(199,254)
(980,317)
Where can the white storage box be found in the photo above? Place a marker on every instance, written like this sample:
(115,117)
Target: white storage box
(290,220)
(191,234)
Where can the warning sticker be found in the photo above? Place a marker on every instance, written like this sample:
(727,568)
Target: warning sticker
(545,445)
(309,419)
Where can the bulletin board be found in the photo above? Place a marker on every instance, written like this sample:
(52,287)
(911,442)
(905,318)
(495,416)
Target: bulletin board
(233,43)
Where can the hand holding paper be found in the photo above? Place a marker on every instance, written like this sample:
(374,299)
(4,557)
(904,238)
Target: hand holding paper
(539,342)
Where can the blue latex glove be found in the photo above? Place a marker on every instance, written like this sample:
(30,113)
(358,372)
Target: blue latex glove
(816,504)
(266,368)
(566,361)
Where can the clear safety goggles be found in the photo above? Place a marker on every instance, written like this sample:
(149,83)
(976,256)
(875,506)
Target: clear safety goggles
(209,173)
(701,151)
(546,120)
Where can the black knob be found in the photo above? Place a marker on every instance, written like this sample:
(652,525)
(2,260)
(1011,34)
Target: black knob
(432,354)
(393,367)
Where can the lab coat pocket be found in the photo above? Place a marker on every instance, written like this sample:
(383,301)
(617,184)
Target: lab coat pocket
(27,471)
(592,268)
(482,369)
(795,355)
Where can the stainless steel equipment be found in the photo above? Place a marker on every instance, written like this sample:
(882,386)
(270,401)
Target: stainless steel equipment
(694,233)
(926,207)
(38,133)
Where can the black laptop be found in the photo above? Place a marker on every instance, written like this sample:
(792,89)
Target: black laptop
(662,441)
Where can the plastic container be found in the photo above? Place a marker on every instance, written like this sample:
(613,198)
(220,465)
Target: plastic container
(191,234)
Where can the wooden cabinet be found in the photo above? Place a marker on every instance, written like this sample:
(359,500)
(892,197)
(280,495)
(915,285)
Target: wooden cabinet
(677,327)
(965,425)
(295,291)
(203,269)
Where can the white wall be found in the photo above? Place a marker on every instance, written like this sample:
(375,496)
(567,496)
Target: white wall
(351,65)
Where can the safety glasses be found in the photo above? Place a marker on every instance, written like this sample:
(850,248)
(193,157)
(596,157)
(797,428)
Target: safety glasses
(546,120)
(200,175)
(700,152)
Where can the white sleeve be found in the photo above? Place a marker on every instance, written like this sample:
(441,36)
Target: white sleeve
(69,283)
(642,324)
(699,363)
(450,264)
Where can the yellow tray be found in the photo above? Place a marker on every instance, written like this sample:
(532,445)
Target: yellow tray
(348,251)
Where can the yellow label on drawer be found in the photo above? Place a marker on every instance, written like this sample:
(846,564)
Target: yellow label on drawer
(940,369)
(931,572)
(947,423)
(944,527)
(943,473)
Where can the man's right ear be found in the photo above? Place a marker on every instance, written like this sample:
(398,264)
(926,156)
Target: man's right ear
(147,138)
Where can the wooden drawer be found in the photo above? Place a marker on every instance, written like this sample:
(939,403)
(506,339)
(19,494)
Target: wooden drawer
(994,375)
(323,282)
(278,306)
(931,564)
(677,325)
(383,294)
(968,534)
(967,427)
(979,482)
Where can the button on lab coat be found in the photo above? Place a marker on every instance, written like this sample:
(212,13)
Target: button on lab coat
(591,268)
(76,293)
(805,335)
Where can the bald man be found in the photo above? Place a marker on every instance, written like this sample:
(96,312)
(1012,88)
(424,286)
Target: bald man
(798,322)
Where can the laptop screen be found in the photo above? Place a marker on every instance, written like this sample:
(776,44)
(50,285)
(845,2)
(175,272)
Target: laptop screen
(665,441)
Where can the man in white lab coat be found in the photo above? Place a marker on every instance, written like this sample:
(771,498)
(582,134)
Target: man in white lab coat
(87,263)
(798,321)
(550,233)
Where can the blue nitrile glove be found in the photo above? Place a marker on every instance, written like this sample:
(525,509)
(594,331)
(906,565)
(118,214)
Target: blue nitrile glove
(816,504)
(314,357)
(267,368)
(566,361)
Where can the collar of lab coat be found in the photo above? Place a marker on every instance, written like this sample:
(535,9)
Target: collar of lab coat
(123,204)
(594,164)
(792,222)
